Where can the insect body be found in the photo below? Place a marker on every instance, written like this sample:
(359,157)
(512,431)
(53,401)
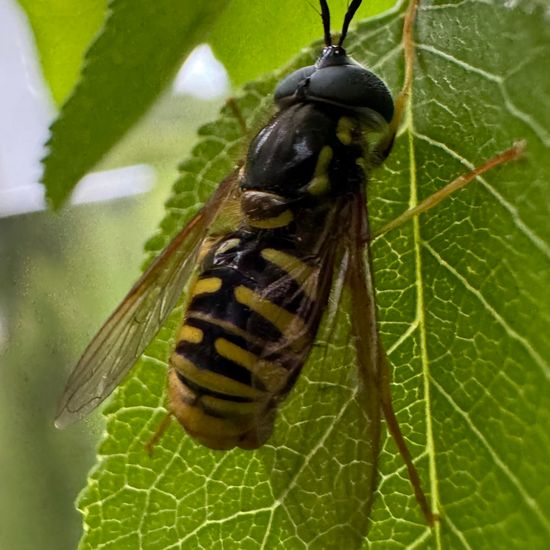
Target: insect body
(258,301)
(261,291)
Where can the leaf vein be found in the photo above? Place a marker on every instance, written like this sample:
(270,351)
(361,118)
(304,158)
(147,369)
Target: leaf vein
(537,358)
(520,224)
(538,129)
(404,337)
(459,534)
(528,499)
(421,316)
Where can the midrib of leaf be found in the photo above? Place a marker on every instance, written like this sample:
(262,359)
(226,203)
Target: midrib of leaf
(420,318)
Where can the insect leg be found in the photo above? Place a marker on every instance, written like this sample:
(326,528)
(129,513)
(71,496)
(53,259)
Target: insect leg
(395,431)
(384,148)
(513,153)
(160,431)
(374,368)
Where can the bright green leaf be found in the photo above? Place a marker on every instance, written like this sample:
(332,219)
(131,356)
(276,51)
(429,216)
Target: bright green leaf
(253,38)
(63,30)
(463,306)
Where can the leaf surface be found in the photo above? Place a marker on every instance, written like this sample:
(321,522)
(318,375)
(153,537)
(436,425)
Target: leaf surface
(463,308)
(63,30)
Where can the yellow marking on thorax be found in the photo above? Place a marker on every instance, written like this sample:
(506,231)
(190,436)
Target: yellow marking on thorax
(289,325)
(320,183)
(282,220)
(344,130)
(207,286)
(191,334)
(298,270)
(228,245)
(205,248)
(272,375)
(213,381)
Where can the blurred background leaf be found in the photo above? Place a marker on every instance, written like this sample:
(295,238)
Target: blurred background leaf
(138,51)
(63,30)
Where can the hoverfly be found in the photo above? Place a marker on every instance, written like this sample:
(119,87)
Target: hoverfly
(259,290)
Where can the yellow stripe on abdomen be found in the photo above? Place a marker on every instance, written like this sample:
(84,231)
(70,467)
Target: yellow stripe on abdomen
(190,334)
(207,286)
(226,408)
(212,381)
(294,267)
(291,326)
(270,374)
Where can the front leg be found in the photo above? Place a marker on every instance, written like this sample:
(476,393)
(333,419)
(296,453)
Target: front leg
(384,147)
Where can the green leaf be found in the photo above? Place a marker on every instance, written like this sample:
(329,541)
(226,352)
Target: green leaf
(253,38)
(63,30)
(142,45)
(463,306)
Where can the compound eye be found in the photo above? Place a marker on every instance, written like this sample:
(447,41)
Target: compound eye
(337,80)
(351,86)
(290,84)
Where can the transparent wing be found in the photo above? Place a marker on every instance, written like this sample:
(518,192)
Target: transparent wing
(364,325)
(363,312)
(128,331)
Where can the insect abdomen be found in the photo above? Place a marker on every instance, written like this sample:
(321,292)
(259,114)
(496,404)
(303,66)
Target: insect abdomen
(246,333)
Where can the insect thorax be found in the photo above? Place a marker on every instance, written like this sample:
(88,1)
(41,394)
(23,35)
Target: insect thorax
(308,152)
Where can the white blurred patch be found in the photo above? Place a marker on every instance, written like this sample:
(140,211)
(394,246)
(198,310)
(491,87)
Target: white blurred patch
(113,184)
(25,106)
(202,75)
(21,199)
(95,187)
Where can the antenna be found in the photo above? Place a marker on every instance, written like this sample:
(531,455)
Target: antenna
(347,20)
(325,16)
